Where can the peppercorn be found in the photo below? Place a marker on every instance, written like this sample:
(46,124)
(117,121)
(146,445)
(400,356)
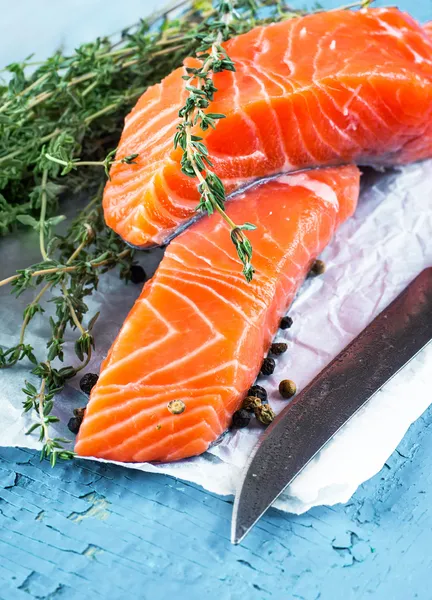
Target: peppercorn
(176,407)
(137,274)
(268,366)
(250,402)
(241,419)
(265,414)
(278,348)
(258,392)
(318,268)
(88,382)
(286,323)
(79,412)
(74,425)
(287,388)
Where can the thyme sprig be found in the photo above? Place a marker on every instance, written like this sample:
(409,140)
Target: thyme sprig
(69,164)
(69,107)
(195,161)
(74,278)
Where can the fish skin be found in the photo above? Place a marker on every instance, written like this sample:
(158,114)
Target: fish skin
(199,332)
(306,93)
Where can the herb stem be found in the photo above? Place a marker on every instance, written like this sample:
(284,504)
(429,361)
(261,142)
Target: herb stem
(87,76)
(43,215)
(27,318)
(81,163)
(45,95)
(112,106)
(195,161)
(69,269)
(25,323)
(41,141)
(41,398)
(358,4)
(89,88)
(204,183)
(72,310)
(30,87)
(77,250)
(86,361)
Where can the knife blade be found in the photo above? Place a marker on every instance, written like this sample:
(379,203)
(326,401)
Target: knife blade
(348,382)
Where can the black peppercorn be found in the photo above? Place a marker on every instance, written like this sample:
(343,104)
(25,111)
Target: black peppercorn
(258,392)
(79,412)
(318,268)
(137,274)
(278,348)
(268,366)
(241,419)
(74,424)
(88,382)
(286,323)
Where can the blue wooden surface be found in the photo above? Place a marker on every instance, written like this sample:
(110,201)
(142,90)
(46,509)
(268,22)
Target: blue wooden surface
(86,530)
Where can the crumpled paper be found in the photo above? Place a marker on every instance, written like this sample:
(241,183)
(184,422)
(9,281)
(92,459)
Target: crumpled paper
(371,259)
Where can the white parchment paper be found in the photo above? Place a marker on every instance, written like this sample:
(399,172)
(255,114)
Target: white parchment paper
(372,258)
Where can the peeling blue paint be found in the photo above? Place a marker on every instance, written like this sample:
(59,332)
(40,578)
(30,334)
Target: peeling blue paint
(100,531)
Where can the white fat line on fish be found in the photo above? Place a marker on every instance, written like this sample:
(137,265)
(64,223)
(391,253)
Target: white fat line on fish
(319,188)
(355,94)
(191,402)
(214,276)
(251,184)
(145,431)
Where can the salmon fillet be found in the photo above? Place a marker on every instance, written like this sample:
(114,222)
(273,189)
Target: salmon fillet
(198,332)
(328,88)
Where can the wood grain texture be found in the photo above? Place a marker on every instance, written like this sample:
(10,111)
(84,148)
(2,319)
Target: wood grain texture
(88,530)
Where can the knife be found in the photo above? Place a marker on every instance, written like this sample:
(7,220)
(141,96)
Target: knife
(309,422)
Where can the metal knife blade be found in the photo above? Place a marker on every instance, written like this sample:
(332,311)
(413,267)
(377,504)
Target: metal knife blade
(305,426)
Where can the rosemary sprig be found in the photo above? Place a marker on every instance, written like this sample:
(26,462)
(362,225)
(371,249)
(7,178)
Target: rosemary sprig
(195,161)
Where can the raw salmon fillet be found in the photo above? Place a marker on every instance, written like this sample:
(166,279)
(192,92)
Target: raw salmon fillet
(325,89)
(199,332)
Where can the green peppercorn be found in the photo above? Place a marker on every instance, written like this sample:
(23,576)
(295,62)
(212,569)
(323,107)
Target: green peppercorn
(265,414)
(286,323)
(88,381)
(268,366)
(176,407)
(250,403)
(258,392)
(278,348)
(318,268)
(287,388)
(241,419)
